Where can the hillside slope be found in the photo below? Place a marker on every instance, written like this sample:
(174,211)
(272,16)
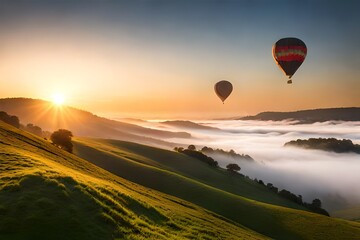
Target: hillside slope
(81,123)
(116,155)
(193,181)
(188,125)
(46,193)
(351,213)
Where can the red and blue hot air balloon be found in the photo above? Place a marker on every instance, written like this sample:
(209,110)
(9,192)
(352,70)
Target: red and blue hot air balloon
(289,54)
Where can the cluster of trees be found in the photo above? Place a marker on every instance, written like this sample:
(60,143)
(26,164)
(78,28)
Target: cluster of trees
(192,152)
(15,121)
(311,116)
(12,120)
(230,153)
(290,196)
(314,206)
(326,144)
(33,129)
(61,138)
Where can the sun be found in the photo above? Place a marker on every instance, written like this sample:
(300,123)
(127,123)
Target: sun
(58,99)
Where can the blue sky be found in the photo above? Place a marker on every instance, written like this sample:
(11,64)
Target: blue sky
(178,49)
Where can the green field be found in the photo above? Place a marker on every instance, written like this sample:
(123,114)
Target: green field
(216,190)
(115,156)
(46,193)
(351,213)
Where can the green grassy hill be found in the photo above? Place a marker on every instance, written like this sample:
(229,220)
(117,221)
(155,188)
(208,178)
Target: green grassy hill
(351,213)
(218,191)
(115,156)
(46,193)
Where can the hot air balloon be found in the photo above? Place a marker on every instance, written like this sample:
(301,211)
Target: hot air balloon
(289,54)
(223,89)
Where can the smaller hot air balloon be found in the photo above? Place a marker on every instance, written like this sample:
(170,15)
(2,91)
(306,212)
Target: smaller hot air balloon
(289,54)
(223,89)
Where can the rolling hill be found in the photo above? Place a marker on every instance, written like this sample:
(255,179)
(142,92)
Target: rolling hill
(215,190)
(50,117)
(310,116)
(47,193)
(350,213)
(188,125)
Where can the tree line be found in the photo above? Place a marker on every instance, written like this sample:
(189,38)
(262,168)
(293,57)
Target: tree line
(314,206)
(61,138)
(230,153)
(326,144)
(11,120)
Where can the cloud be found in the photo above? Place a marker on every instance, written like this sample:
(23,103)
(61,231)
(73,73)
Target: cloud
(332,177)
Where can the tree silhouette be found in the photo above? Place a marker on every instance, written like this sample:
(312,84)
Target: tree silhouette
(192,148)
(33,129)
(316,203)
(233,167)
(62,139)
(12,120)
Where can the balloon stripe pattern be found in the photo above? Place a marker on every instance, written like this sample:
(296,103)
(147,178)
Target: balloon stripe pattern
(289,54)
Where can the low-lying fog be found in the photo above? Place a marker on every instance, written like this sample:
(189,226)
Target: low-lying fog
(332,177)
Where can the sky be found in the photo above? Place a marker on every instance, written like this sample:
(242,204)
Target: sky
(161,59)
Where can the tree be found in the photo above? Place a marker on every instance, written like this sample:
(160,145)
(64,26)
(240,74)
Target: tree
(233,167)
(192,148)
(316,203)
(178,149)
(62,139)
(33,129)
(272,187)
(12,120)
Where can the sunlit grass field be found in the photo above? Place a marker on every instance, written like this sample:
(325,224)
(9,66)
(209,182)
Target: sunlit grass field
(217,190)
(46,193)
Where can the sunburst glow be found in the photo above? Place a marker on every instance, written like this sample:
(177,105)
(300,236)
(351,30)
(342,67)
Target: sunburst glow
(58,99)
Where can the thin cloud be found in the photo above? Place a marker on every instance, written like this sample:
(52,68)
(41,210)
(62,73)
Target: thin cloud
(332,177)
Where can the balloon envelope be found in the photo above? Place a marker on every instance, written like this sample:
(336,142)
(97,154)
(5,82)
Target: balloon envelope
(289,54)
(223,89)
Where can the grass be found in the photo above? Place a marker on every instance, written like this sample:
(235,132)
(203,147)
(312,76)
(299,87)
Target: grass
(351,213)
(177,163)
(46,193)
(215,190)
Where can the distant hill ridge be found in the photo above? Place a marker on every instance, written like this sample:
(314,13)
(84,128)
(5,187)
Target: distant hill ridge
(326,144)
(188,124)
(82,123)
(310,116)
